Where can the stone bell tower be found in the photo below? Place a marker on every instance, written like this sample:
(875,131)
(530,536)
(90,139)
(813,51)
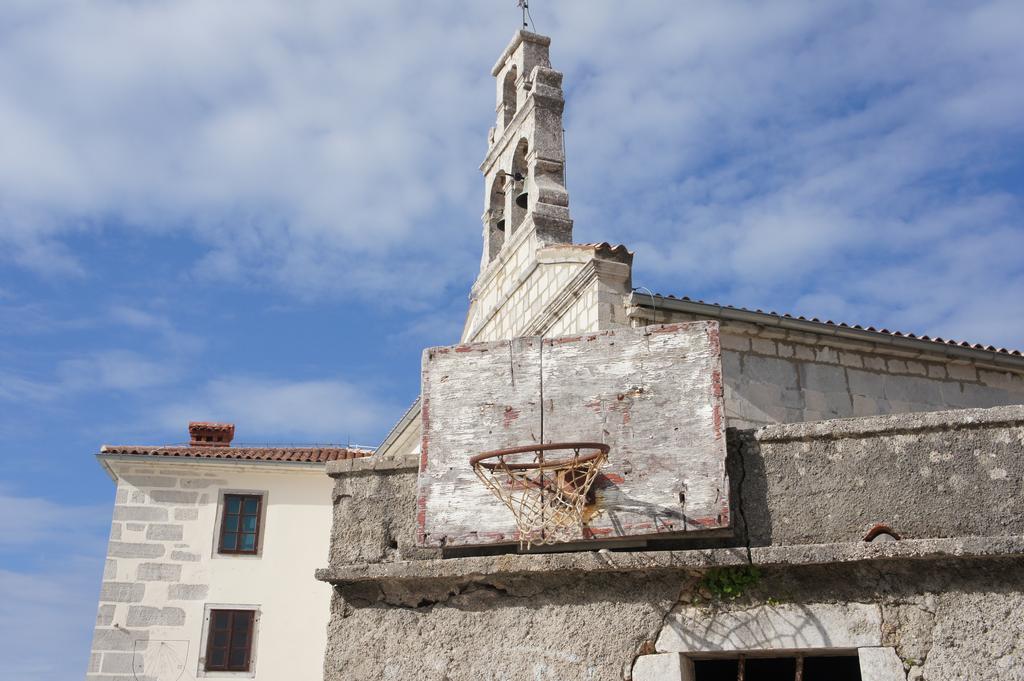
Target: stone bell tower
(524,171)
(533,280)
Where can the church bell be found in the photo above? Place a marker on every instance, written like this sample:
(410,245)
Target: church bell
(522,196)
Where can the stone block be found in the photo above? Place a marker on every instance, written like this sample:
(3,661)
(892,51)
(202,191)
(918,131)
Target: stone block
(119,639)
(962,372)
(916,368)
(94,662)
(804,353)
(151,480)
(186,513)
(121,496)
(976,395)
(936,371)
(913,389)
(897,366)
(820,406)
(146,616)
(823,378)
(115,530)
(119,549)
(105,615)
(763,346)
(140,513)
(187,592)
(732,342)
(826,355)
(998,379)
(110,569)
(770,370)
(663,667)
(164,532)
(138,496)
(866,383)
(159,572)
(118,663)
(786,350)
(850,359)
(780,627)
(874,362)
(122,592)
(880,664)
(173,496)
(185,556)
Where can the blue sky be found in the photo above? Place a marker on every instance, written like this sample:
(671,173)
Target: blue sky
(261,212)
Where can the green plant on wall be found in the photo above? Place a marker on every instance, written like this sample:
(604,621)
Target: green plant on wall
(730,583)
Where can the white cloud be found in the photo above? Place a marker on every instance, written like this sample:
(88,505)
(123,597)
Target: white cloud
(117,370)
(45,611)
(38,522)
(763,153)
(325,410)
(53,597)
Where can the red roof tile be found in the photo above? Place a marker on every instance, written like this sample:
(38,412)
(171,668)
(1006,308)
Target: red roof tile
(289,454)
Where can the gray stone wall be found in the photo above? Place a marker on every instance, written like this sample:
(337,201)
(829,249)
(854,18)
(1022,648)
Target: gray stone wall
(374,511)
(938,474)
(784,380)
(950,620)
(775,375)
(924,609)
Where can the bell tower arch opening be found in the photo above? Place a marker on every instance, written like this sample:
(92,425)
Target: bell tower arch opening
(518,198)
(496,212)
(508,96)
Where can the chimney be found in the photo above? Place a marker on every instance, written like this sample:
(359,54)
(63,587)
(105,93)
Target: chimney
(210,434)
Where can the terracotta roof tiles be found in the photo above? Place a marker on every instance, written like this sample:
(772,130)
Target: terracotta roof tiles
(285,454)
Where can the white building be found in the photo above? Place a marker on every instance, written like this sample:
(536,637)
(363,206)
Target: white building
(203,538)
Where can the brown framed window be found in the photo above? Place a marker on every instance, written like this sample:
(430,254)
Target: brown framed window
(240,523)
(229,642)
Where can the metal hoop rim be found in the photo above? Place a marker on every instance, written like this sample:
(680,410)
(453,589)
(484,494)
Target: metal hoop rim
(601,450)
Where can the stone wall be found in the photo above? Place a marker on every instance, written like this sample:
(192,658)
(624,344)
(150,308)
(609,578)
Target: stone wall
(784,376)
(532,289)
(938,474)
(939,609)
(374,511)
(943,620)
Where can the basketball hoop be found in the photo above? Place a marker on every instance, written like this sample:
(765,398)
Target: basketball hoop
(547,496)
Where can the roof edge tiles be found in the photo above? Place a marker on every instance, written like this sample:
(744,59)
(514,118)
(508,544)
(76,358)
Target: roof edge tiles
(829,327)
(312,455)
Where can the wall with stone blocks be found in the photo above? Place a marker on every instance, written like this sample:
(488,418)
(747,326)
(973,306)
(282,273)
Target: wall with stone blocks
(162,570)
(782,376)
(526,297)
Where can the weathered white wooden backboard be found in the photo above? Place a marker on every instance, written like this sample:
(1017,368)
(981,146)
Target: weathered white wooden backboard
(653,394)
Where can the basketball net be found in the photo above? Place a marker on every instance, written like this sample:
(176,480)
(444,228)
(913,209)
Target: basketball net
(547,496)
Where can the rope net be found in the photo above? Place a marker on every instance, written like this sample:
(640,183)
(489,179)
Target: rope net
(548,495)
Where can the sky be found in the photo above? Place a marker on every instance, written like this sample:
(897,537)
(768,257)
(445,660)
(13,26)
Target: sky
(262,212)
